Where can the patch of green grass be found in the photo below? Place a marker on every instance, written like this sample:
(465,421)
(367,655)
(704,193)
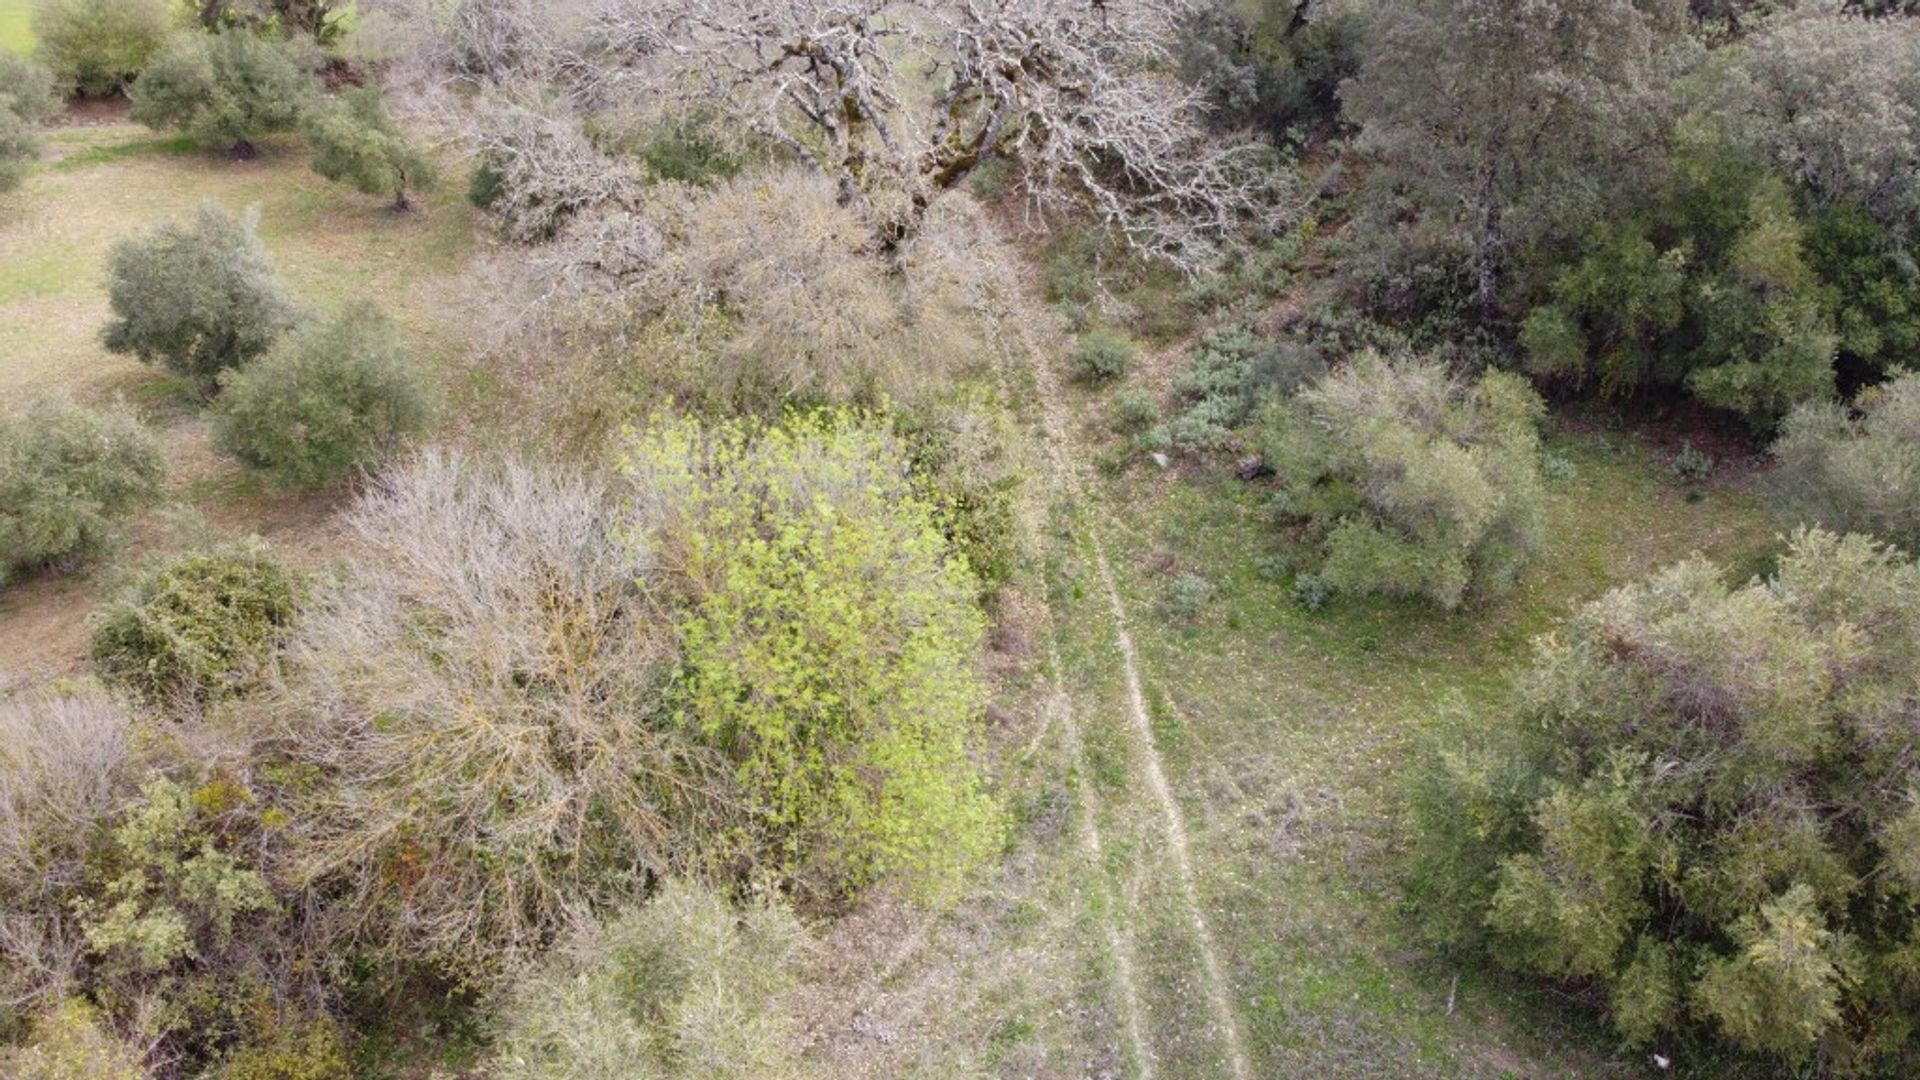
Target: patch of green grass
(16,26)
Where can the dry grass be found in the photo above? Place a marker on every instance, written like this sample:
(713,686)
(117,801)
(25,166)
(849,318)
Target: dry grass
(102,181)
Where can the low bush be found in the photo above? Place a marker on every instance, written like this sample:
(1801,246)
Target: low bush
(1855,468)
(290,1048)
(195,628)
(962,466)
(1102,356)
(226,89)
(1231,373)
(1411,481)
(19,148)
(68,476)
(830,645)
(683,985)
(197,299)
(483,701)
(1701,801)
(69,1042)
(1134,410)
(27,89)
(337,396)
(64,770)
(96,47)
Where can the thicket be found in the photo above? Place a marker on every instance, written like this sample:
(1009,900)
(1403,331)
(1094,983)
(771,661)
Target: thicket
(1855,467)
(829,642)
(337,396)
(68,476)
(227,89)
(96,47)
(196,298)
(195,628)
(1700,803)
(683,985)
(1409,480)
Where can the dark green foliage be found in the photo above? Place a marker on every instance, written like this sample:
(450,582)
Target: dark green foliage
(1702,799)
(1855,468)
(320,20)
(1232,372)
(198,299)
(1102,356)
(962,467)
(1708,289)
(1874,287)
(1410,481)
(1277,69)
(338,396)
(96,47)
(226,89)
(196,628)
(67,477)
(688,148)
(355,141)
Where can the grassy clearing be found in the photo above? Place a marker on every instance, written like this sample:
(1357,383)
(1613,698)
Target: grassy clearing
(16,25)
(1285,734)
(97,184)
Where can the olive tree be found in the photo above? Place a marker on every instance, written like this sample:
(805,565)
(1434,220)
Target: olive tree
(355,141)
(68,476)
(1411,480)
(198,298)
(1855,467)
(337,396)
(226,89)
(96,47)
(1702,801)
(27,89)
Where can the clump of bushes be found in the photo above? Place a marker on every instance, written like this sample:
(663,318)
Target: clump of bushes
(1231,373)
(355,141)
(1702,801)
(68,475)
(196,628)
(96,47)
(485,697)
(226,89)
(1102,356)
(829,644)
(198,298)
(26,99)
(1855,468)
(69,1042)
(337,396)
(684,985)
(1410,480)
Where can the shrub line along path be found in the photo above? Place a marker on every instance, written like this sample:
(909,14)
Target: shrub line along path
(1070,485)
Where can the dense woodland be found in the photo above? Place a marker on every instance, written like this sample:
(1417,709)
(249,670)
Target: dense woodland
(730,574)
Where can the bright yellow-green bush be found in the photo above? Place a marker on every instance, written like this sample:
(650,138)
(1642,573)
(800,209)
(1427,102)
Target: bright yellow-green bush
(829,642)
(69,1043)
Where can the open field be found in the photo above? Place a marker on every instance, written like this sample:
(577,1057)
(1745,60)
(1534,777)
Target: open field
(99,182)
(15,30)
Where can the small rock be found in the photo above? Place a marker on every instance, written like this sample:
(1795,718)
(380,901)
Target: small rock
(1253,468)
(1161,460)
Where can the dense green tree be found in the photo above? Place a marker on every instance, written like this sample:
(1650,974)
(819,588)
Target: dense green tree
(1277,67)
(197,298)
(355,141)
(317,19)
(67,477)
(334,397)
(96,47)
(226,89)
(1411,481)
(1855,467)
(27,89)
(1508,120)
(1702,800)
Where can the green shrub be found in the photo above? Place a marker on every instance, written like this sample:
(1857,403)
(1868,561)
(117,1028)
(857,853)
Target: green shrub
(26,89)
(1856,468)
(1691,464)
(19,148)
(226,89)
(355,141)
(68,1042)
(830,644)
(196,628)
(963,468)
(337,396)
(684,985)
(97,46)
(1411,481)
(197,298)
(1102,356)
(1702,800)
(68,475)
(289,1048)
(1231,373)
(1134,410)
(1186,596)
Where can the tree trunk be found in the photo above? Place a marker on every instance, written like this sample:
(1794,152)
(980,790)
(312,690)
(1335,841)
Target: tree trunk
(244,150)
(402,202)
